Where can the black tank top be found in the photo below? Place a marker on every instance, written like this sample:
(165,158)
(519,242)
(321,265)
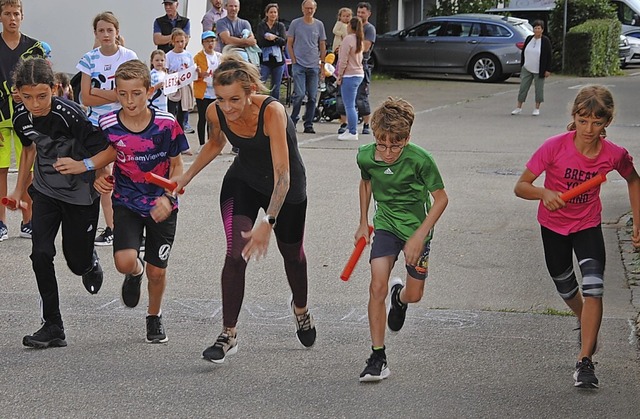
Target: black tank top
(253,163)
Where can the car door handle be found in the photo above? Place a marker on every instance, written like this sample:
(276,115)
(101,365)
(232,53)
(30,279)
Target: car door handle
(431,41)
(472,42)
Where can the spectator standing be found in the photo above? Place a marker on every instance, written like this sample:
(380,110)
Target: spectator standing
(14,46)
(536,66)
(206,62)
(340,28)
(210,19)
(350,75)
(158,73)
(231,27)
(306,43)
(272,37)
(363,11)
(97,92)
(164,26)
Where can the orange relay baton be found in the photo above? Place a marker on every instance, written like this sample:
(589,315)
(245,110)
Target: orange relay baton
(355,256)
(162,182)
(583,187)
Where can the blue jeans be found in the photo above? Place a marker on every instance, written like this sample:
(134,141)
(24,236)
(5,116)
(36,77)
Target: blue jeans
(305,80)
(348,90)
(276,78)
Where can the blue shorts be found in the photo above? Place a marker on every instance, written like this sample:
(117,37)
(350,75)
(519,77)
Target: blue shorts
(388,244)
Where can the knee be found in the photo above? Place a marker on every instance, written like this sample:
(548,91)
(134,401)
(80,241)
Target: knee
(566,284)
(155,275)
(378,291)
(126,261)
(592,278)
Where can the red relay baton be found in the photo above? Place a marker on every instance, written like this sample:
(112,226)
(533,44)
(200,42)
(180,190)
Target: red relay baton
(583,187)
(162,182)
(355,256)
(11,203)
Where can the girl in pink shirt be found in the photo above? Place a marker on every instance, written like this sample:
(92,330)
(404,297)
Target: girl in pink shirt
(569,159)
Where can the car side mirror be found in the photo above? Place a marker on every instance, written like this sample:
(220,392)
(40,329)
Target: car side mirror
(402,34)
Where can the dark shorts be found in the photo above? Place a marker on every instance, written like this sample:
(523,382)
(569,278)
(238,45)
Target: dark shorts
(128,228)
(388,244)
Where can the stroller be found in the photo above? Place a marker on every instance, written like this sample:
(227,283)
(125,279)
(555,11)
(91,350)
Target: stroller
(326,108)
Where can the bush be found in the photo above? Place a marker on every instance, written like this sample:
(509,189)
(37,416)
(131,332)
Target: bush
(578,12)
(592,48)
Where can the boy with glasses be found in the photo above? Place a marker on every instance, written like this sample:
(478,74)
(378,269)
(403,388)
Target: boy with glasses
(409,199)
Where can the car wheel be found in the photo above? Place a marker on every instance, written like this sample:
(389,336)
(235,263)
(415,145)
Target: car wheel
(486,68)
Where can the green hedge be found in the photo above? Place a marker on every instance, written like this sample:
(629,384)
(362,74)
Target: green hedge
(592,48)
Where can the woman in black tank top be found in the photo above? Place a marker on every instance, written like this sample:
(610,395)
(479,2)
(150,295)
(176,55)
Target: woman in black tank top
(267,173)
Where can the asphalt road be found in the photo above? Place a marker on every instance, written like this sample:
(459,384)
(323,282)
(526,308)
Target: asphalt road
(488,340)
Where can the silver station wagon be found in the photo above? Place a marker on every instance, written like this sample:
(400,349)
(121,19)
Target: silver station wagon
(487,47)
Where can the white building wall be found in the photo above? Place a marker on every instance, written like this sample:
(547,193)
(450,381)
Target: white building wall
(66,25)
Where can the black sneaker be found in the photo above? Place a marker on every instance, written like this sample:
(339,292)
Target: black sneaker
(366,129)
(131,288)
(26,231)
(92,280)
(49,336)
(155,330)
(343,128)
(585,374)
(397,310)
(105,238)
(376,369)
(305,327)
(309,130)
(225,345)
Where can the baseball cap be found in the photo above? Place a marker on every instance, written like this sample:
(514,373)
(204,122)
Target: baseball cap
(208,34)
(169,1)
(47,49)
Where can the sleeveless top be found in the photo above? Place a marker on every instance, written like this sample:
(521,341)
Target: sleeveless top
(254,165)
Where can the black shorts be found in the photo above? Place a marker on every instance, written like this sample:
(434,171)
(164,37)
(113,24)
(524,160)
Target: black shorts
(128,228)
(388,244)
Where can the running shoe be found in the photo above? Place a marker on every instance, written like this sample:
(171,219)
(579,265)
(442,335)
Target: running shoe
(131,288)
(92,279)
(585,375)
(49,336)
(105,238)
(397,310)
(376,369)
(155,330)
(4,231)
(225,345)
(25,230)
(305,327)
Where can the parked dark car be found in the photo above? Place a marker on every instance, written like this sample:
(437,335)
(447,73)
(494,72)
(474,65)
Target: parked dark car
(487,47)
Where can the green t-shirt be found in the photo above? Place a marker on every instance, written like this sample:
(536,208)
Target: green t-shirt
(401,190)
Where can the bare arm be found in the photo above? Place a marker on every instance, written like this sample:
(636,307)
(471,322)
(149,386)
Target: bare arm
(164,206)
(69,166)
(526,190)
(290,49)
(92,96)
(239,42)
(160,39)
(633,185)
(413,247)
(27,158)
(364,194)
(210,150)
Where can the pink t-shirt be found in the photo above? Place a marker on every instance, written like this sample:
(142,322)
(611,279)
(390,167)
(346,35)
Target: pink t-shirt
(565,168)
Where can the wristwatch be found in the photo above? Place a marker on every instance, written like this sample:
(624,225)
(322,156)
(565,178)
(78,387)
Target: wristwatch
(270,219)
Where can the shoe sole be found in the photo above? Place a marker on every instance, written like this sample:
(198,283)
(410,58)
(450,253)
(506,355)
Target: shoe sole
(25,235)
(165,340)
(375,378)
(231,351)
(102,244)
(394,281)
(55,343)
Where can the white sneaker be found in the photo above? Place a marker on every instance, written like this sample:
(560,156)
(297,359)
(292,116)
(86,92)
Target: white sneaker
(347,136)
(516,111)
(535,112)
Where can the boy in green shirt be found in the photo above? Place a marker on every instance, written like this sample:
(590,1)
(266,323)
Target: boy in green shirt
(404,180)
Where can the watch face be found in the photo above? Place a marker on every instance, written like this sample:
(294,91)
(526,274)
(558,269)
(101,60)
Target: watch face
(271,219)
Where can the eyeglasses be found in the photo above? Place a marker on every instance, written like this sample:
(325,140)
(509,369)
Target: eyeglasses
(395,148)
